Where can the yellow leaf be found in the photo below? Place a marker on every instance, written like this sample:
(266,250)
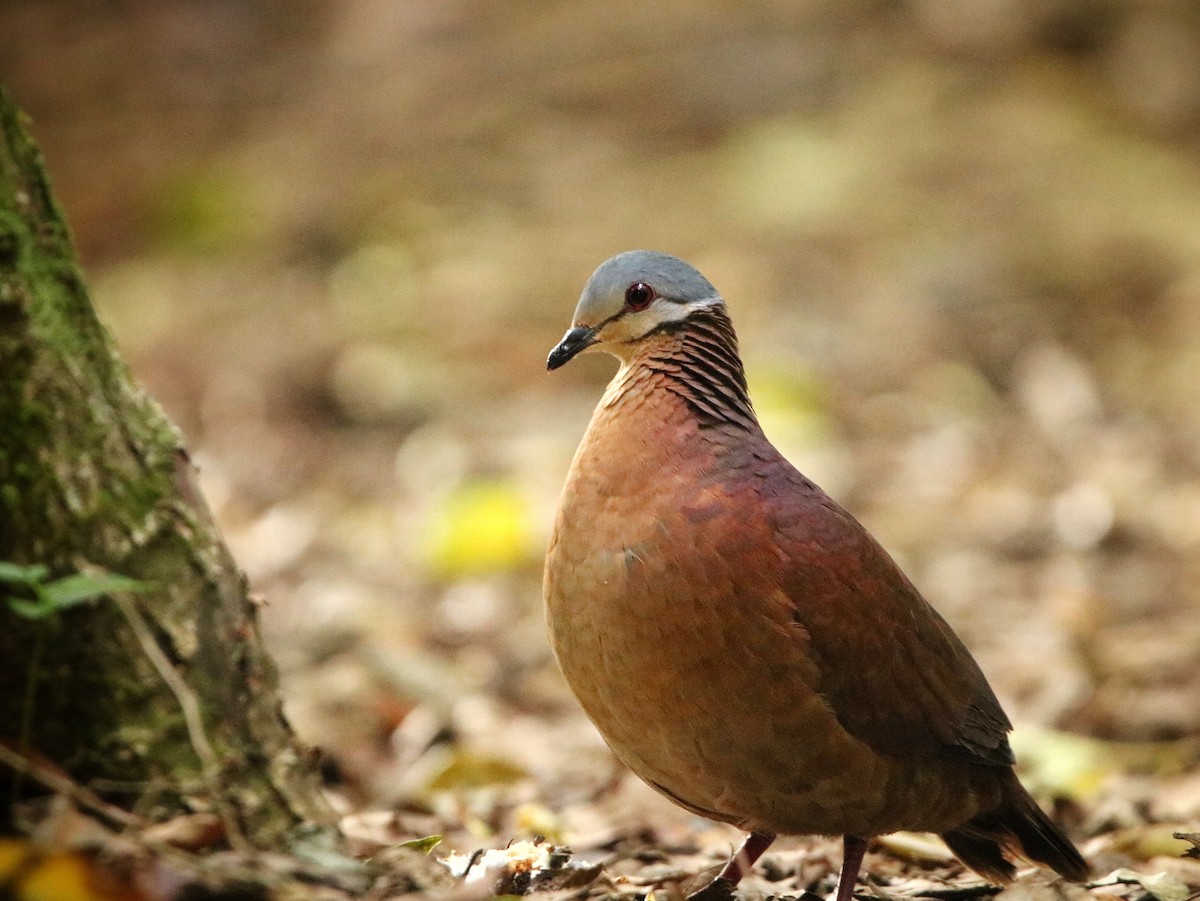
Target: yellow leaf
(12,854)
(1075,766)
(58,877)
(537,819)
(482,527)
(463,770)
(28,873)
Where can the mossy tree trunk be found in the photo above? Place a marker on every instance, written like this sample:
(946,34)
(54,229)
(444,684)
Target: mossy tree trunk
(168,688)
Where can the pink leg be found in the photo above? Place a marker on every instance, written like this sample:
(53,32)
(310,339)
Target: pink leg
(853,849)
(743,859)
(721,888)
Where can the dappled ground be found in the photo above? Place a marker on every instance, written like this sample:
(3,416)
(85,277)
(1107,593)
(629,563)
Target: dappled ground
(336,242)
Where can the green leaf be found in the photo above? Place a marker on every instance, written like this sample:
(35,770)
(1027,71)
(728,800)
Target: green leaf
(25,575)
(38,609)
(61,594)
(424,845)
(71,590)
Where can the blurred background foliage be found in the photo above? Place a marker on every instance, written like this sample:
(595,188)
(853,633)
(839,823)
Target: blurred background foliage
(961,243)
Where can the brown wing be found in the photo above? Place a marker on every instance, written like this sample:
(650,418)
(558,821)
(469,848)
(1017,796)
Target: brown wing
(893,671)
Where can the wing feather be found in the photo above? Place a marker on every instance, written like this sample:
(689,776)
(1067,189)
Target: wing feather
(892,669)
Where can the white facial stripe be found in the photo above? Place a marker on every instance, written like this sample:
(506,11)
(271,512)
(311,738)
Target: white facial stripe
(638,324)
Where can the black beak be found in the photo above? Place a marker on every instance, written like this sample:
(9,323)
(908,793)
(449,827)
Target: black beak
(577,339)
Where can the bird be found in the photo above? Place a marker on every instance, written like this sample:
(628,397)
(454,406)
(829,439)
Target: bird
(741,642)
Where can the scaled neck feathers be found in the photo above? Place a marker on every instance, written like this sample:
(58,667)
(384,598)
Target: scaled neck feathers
(701,365)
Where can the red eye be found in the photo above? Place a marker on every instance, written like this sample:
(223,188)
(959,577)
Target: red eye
(638,296)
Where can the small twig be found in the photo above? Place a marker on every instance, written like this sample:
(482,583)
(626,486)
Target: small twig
(188,702)
(474,859)
(189,705)
(28,702)
(960,892)
(63,785)
(1193,837)
(142,786)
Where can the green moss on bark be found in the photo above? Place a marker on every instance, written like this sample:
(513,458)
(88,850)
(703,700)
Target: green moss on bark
(92,476)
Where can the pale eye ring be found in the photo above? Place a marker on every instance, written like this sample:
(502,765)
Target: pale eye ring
(638,296)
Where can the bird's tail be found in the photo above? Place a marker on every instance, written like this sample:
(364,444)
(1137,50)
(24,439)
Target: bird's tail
(1016,826)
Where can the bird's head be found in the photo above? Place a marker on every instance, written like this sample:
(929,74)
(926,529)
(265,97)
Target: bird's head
(630,296)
